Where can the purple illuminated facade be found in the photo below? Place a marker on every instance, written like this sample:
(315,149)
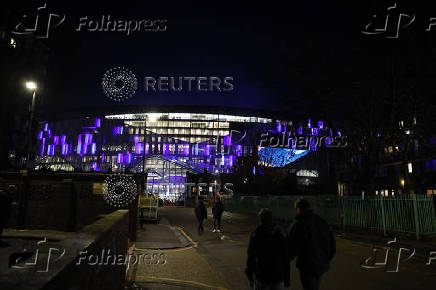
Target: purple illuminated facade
(171,143)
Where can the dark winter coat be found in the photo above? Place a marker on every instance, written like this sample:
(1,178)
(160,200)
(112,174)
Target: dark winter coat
(312,242)
(267,256)
(217,209)
(200,211)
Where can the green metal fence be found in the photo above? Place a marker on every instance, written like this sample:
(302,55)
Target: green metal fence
(407,214)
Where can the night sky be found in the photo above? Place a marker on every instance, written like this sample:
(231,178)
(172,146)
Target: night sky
(277,53)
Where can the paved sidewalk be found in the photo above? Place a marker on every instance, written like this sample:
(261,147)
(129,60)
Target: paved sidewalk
(160,236)
(217,261)
(188,266)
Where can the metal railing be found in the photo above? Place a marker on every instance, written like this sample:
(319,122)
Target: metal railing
(407,214)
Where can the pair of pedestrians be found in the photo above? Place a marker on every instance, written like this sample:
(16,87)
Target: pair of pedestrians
(271,251)
(201,214)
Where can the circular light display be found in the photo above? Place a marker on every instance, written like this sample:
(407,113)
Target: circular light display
(119,190)
(119,84)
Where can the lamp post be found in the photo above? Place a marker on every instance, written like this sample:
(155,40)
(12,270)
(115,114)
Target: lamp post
(31,86)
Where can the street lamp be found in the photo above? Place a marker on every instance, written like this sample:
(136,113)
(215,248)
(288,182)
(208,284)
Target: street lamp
(31,86)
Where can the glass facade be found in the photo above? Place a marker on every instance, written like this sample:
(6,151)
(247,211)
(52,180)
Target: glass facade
(167,145)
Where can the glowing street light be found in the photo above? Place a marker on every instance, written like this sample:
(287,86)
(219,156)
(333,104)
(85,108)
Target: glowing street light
(31,85)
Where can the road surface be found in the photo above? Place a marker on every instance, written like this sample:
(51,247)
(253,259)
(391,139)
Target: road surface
(217,261)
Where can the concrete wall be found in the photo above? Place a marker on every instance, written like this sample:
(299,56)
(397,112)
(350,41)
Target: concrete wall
(109,233)
(55,201)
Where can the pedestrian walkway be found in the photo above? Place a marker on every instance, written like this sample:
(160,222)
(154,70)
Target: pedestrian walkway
(217,260)
(179,267)
(159,236)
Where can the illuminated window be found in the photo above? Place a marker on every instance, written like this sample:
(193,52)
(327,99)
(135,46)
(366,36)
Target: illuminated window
(307,173)
(409,167)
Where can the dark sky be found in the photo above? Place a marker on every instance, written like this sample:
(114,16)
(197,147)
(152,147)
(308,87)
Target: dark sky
(273,50)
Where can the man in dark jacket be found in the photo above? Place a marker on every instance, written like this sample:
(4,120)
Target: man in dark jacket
(201,214)
(217,211)
(312,242)
(267,265)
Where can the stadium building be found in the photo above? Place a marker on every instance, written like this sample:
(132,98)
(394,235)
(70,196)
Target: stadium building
(166,143)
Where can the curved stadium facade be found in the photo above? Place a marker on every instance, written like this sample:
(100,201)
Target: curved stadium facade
(166,145)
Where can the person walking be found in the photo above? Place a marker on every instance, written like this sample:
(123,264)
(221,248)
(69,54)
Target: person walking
(201,214)
(313,243)
(217,212)
(267,264)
